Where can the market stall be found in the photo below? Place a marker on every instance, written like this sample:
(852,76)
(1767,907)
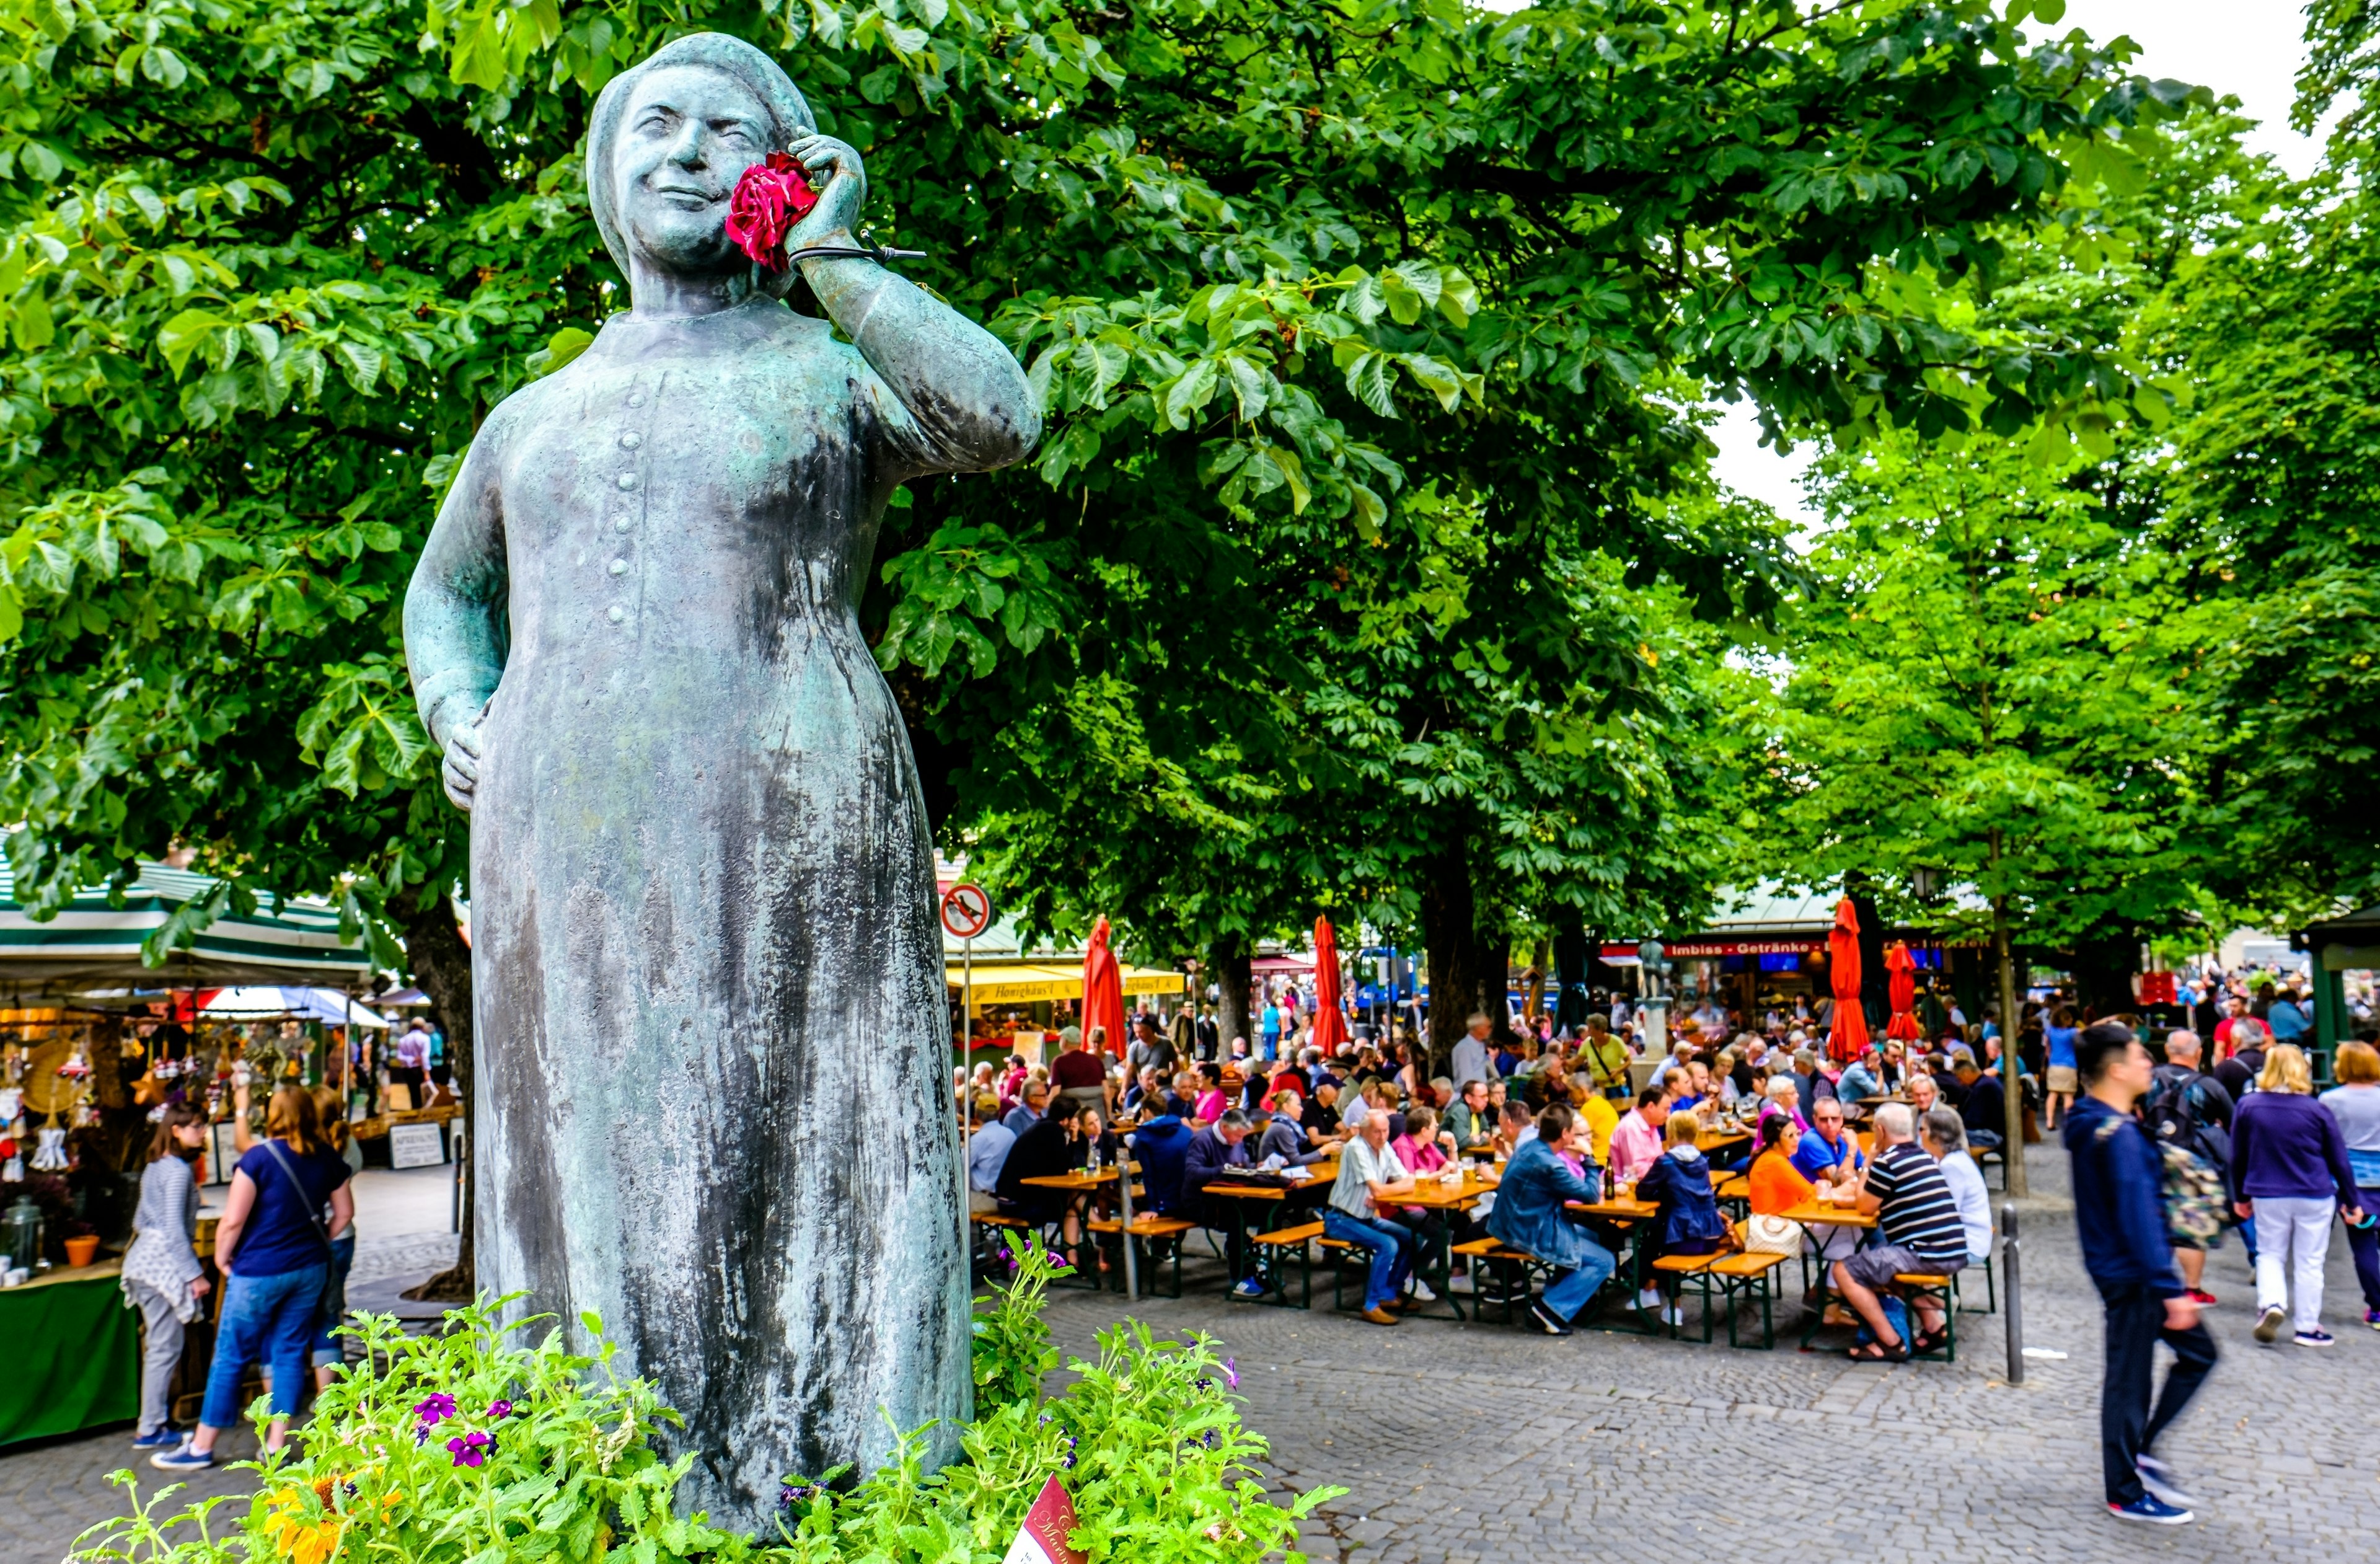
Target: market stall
(92,1037)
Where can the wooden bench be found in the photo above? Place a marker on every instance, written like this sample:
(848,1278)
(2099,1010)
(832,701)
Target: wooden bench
(1278,1245)
(1511,1268)
(1148,1229)
(1943,1290)
(1741,1274)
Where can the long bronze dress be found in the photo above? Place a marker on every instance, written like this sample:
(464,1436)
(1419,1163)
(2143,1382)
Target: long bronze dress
(710,1093)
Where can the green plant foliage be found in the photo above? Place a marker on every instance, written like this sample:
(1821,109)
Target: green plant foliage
(1147,1438)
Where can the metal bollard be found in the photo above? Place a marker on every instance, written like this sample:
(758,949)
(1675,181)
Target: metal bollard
(2009,1273)
(1123,1195)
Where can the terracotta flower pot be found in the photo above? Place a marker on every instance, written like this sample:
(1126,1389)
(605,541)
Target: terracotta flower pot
(82,1251)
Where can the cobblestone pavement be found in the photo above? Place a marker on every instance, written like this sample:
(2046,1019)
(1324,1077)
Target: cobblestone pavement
(1471,1443)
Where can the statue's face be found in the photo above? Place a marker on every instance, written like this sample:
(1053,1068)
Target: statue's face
(687,136)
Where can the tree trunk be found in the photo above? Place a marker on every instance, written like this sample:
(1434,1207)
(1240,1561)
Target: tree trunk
(1456,960)
(2011,1084)
(1875,982)
(1234,988)
(1574,958)
(1495,991)
(441,966)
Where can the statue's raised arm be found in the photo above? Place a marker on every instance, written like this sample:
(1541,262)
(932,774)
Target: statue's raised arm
(968,404)
(702,881)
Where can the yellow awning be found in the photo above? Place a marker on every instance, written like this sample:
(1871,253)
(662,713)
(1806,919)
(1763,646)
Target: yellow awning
(1148,980)
(1015,984)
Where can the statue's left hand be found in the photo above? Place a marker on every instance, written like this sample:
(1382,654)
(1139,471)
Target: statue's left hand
(834,170)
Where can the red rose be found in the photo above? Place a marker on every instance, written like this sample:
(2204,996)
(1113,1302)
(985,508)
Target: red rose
(771,198)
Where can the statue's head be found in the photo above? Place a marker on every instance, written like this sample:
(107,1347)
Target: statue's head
(670,139)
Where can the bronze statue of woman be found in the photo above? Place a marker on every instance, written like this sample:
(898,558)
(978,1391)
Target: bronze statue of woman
(711,1096)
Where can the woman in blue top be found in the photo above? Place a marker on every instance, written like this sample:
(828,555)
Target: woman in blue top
(1687,1222)
(274,1248)
(2064,1081)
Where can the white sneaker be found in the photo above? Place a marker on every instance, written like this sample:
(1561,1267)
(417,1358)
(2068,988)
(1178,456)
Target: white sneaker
(1420,1292)
(1460,1282)
(1675,1315)
(1649,1299)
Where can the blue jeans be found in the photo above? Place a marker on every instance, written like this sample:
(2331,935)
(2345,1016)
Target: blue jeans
(327,1351)
(1393,1248)
(270,1320)
(1571,1290)
(2365,1243)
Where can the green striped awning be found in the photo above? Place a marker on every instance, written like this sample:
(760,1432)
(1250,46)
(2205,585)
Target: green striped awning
(91,944)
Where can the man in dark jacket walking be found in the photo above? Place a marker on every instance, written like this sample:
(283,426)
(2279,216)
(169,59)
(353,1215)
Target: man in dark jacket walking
(2119,1220)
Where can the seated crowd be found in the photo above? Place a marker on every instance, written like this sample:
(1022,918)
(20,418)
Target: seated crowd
(1558,1113)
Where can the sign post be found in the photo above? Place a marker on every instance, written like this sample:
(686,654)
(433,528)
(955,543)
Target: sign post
(967,912)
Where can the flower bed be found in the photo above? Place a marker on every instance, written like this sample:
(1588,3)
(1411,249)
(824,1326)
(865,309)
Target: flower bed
(472,1447)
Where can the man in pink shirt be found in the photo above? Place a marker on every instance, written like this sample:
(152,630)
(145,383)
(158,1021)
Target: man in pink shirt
(1637,1139)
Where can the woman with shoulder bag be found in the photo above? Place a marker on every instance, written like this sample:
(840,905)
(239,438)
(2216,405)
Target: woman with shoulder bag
(329,1355)
(162,1277)
(274,1251)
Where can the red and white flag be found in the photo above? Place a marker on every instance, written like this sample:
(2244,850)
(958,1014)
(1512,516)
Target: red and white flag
(1042,1539)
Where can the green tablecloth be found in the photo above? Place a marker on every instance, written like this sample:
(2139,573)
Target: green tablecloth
(74,1356)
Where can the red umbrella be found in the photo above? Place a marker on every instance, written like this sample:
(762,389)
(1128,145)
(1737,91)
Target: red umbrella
(1102,991)
(1904,992)
(1849,1039)
(1330,1025)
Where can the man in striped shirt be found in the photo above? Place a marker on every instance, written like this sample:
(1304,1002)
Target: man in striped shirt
(1919,1232)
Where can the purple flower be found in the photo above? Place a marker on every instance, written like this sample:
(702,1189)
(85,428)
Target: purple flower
(790,1493)
(1232,1373)
(469,1450)
(434,1409)
(1068,1463)
(498,1408)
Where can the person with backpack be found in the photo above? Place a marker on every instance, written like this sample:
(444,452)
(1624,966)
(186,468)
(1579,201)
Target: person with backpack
(2121,1225)
(2188,1115)
(274,1249)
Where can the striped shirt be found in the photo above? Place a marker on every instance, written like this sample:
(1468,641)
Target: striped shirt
(1919,1212)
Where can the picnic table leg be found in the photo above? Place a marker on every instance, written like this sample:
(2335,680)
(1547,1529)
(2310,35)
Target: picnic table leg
(1442,1275)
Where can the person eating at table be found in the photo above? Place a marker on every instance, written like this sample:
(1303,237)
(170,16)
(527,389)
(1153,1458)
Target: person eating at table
(1862,1080)
(987,1151)
(1514,1126)
(1984,1107)
(1028,1108)
(1470,1120)
(1162,1147)
(1918,1231)
(1218,1151)
(1923,1095)
(1284,1135)
(1777,1187)
(1598,1117)
(1832,1155)
(1784,1101)
(1530,1215)
(1637,1139)
(1320,1115)
(1048,1148)
(1370,1175)
(1687,1220)
(1147,1094)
